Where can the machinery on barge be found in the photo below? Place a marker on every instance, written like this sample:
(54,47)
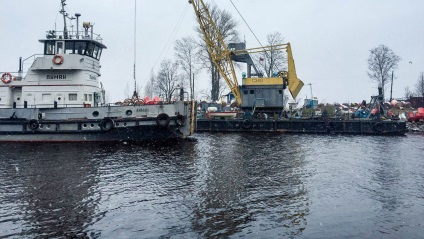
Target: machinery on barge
(261,96)
(369,119)
(257,94)
(60,98)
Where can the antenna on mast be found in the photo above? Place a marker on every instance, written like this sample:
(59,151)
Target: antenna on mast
(312,96)
(63,12)
(66,15)
(77,15)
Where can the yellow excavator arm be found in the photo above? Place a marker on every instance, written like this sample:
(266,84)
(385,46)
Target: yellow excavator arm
(217,48)
(295,84)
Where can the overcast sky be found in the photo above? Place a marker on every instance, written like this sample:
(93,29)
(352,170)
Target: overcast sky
(330,39)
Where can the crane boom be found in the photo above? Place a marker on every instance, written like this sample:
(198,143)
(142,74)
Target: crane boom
(221,56)
(217,48)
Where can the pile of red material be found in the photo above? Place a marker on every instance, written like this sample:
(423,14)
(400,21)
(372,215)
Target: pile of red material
(416,117)
(153,101)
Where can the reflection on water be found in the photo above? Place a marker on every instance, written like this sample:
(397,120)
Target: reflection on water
(242,182)
(222,185)
(387,175)
(47,189)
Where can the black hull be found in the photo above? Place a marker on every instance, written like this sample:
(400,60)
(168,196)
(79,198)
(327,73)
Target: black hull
(89,131)
(306,126)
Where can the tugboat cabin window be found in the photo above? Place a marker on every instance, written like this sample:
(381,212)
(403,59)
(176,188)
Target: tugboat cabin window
(73,47)
(96,51)
(72,97)
(99,53)
(60,47)
(70,47)
(49,48)
(80,47)
(90,49)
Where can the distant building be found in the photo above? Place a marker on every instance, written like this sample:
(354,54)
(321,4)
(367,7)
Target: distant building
(228,97)
(310,103)
(416,102)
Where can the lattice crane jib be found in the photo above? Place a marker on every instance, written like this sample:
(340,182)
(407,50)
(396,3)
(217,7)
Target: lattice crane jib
(217,48)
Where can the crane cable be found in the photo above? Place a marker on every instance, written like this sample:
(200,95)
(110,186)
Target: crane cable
(135,48)
(249,27)
(172,36)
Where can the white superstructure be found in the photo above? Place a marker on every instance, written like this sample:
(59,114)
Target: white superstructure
(66,75)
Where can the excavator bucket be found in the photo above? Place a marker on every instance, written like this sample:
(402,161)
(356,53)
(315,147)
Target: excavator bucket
(295,84)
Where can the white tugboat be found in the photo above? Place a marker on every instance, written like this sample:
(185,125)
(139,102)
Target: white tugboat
(60,99)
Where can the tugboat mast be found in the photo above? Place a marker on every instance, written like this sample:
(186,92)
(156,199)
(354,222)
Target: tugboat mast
(63,12)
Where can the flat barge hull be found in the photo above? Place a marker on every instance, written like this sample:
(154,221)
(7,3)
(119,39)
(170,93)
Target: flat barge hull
(353,127)
(97,124)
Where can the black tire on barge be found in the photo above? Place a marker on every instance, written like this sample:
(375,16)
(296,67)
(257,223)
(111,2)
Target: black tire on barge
(106,124)
(162,120)
(33,124)
(247,124)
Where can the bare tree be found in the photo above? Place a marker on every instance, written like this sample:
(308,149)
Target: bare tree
(381,62)
(149,89)
(408,93)
(223,87)
(203,94)
(226,25)
(168,79)
(186,53)
(273,60)
(419,86)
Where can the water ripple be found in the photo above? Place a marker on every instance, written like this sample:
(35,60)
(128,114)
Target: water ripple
(220,186)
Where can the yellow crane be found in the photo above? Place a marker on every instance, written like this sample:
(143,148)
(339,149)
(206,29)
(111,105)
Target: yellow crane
(221,56)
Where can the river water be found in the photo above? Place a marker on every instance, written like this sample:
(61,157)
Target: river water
(220,186)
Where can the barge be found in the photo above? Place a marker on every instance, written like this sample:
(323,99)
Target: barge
(304,126)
